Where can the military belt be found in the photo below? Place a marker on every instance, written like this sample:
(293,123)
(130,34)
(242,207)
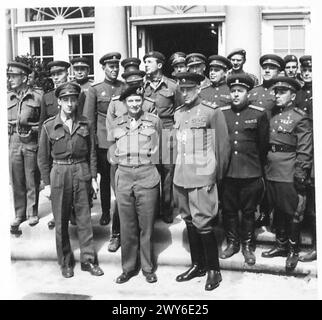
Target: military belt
(281,148)
(68,161)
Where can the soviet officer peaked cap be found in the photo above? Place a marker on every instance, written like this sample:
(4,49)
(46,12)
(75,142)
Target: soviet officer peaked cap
(18,68)
(136,90)
(189,79)
(195,58)
(80,62)
(155,54)
(272,59)
(219,61)
(286,83)
(240,51)
(110,57)
(130,64)
(133,76)
(306,61)
(289,58)
(67,89)
(177,57)
(242,79)
(57,65)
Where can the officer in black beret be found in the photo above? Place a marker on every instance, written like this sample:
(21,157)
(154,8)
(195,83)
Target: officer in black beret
(67,162)
(96,105)
(291,65)
(196,63)
(263,96)
(164,91)
(178,62)
(133,140)
(238,58)
(202,158)
(289,162)
(23,119)
(243,187)
(218,92)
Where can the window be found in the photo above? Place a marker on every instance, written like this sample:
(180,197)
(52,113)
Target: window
(289,39)
(81,45)
(42,48)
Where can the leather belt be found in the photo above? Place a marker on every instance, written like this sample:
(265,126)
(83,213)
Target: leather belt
(68,161)
(281,148)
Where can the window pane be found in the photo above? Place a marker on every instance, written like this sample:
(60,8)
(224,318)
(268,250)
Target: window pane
(298,52)
(297,37)
(47,45)
(281,52)
(74,44)
(35,46)
(281,37)
(46,60)
(87,43)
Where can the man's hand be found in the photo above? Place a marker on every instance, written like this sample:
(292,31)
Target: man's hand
(95,187)
(47,191)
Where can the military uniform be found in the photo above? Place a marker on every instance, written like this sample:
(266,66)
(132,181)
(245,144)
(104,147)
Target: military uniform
(288,163)
(134,148)
(248,129)
(67,162)
(23,118)
(201,161)
(95,109)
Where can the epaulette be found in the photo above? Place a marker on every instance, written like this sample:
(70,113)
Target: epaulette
(300,111)
(150,115)
(225,108)
(149,99)
(205,87)
(49,119)
(179,107)
(256,108)
(212,105)
(116,98)
(257,86)
(95,84)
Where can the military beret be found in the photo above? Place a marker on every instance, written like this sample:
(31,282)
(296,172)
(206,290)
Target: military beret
(131,90)
(306,61)
(195,58)
(273,59)
(189,79)
(130,64)
(110,57)
(289,58)
(133,76)
(67,89)
(57,65)
(285,82)
(220,61)
(18,68)
(80,62)
(177,57)
(237,51)
(241,79)
(155,54)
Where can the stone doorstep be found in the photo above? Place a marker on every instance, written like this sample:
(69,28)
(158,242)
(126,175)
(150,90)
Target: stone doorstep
(170,247)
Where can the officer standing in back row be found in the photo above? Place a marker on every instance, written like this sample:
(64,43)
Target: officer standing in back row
(196,63)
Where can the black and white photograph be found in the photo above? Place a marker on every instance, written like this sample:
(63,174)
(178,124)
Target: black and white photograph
(160,151)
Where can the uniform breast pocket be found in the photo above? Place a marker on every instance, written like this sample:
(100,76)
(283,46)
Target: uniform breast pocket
(81,144)
(166,98)
(102,104)
(146,133)
(30,112)
(12,111)
(59,144)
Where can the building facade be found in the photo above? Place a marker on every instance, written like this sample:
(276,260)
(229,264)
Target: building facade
(61,33)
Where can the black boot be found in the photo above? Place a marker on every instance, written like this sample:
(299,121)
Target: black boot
(248,222)
(293,249)
(210,248)
(280,247)
(197,268)
(263,220)
(312,254)
(231,229)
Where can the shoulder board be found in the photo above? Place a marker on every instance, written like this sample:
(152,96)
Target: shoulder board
(49,119)
(149,115)
(206,86)
(225,108)
(95,84)
(116,98)
(179,107)
(301,112)
(256,108)
(149,99)
(208,104)
(259,85)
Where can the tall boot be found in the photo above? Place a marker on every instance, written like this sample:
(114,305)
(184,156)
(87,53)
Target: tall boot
(293,249)
(197,268)
(231,229)
(210,249)
(280,247)
(264,216)
(248,223)
(312,254)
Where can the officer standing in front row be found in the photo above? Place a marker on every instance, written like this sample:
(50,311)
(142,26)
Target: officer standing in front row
(289,162)
(67,162)
(23,117)
(133,144)
(248,128)
(202,158)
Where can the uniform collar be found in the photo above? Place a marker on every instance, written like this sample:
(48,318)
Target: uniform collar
(27,92)
(163,80)
(218,84)
(78,120)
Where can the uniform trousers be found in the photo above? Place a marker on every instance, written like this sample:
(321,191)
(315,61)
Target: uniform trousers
(70,185)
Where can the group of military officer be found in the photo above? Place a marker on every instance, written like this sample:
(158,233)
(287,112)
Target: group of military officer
(192,141)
